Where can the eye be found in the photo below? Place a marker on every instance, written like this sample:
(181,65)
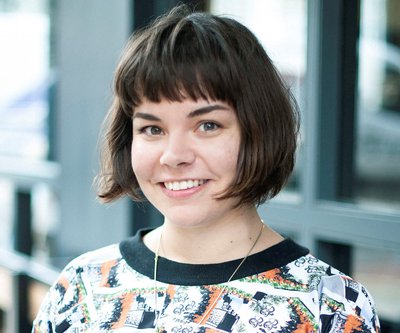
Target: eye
(208,126)
(151,130)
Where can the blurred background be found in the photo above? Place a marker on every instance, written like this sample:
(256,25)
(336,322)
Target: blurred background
(340,58)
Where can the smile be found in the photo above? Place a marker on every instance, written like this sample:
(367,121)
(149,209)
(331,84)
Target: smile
(183,184)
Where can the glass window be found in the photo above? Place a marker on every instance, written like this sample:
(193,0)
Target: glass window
(37,292)
(285,44)
(5,296)
(25,78)
(379,271)
(24,112)
(6,212)
(45,219)
(378,127)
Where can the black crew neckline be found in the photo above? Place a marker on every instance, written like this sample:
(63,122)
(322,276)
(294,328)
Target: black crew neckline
(140,258)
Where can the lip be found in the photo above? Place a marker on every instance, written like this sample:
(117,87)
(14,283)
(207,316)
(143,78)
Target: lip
(183,193)
(185,184)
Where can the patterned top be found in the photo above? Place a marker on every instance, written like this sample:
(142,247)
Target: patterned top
(281,289)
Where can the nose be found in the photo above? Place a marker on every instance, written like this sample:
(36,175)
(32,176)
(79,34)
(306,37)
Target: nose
(178,152)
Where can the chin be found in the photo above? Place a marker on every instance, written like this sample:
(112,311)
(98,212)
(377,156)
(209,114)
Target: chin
(185,221)
(187,218)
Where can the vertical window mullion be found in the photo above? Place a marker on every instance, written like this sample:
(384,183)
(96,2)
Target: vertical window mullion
(329,92)
(338,75)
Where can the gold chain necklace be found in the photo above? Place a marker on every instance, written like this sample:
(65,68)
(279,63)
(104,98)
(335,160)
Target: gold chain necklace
(222,289)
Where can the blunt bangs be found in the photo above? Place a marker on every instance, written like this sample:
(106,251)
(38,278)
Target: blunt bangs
(184,59)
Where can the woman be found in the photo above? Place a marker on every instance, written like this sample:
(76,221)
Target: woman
(203,127)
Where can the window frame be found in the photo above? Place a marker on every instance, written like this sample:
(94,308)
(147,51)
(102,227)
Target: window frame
(327,166)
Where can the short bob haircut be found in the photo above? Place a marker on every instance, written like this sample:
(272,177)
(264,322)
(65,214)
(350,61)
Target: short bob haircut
(195,55)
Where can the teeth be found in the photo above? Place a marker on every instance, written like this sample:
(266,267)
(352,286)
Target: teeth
(183,185)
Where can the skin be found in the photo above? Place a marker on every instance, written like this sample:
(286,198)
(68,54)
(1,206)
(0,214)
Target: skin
(197,141)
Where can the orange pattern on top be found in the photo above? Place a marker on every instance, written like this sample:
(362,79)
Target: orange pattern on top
(171,291)
(304,328)
(211,330)
(63,281)
(272,274)
(105,270)
(214,296)
(305,324)
(126,301)
(353,324)
(275,275)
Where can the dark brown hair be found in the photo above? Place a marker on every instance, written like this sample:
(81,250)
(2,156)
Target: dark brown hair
(198,55)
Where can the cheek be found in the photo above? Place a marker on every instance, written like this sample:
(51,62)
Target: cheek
(142,160)
(231,157)
(225,155)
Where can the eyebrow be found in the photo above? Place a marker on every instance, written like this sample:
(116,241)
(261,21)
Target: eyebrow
(192,114)
(145,116)
(206,109)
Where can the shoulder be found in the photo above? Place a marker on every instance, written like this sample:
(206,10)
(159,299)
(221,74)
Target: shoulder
(343,301)
(70,297)
(91,267)
(93,263)
(97,257)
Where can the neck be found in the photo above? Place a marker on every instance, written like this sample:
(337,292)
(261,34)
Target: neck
(220,241)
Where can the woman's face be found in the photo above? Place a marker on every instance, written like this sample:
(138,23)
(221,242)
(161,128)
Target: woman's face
(183,154)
